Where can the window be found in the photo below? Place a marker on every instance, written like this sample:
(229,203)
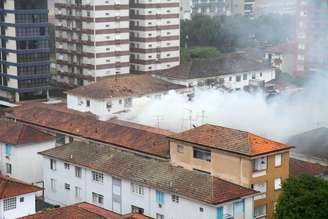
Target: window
(21,199)
(135,209)
(99,177)
(277,183)
(77,192)
(60,139)
(201,209)
(159,216)
(260,164)
(66,166)
(175,198)
(53,185)
(260,211)
(8,149)
(8,168)
(88,103)
(97,198)
(244,77)
(67,186)
(137,189)
(261,74)
(238,78)
(253,76)
(277,160)
(160,197)
(260,187)
(52,164)
(179,148)
(78,172)
(9,204)
(202,154)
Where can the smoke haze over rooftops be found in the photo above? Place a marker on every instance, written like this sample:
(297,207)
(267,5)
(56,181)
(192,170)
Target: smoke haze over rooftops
(277,118)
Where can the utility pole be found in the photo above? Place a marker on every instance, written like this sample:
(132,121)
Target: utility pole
(158,118)
(202,116)
(190,117)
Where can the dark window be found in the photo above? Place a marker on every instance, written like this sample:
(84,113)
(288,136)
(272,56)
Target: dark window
(202,154)
(135,209)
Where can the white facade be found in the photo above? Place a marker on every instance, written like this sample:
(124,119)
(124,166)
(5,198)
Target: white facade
(92,39)
(117,195)
(17,206)
(23,161)
(235,81)
(110,107)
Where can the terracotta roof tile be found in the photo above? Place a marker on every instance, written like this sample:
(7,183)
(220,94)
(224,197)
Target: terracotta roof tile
(10,187)
(228,139)
(15,133)
(298,167)
(134,137)
(152,172)
(123,86)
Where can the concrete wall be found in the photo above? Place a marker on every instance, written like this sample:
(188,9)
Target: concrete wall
(25,160)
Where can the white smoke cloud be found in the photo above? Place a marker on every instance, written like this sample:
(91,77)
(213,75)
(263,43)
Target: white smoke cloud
(276,118)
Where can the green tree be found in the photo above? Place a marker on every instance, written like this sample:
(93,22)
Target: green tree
(303,197)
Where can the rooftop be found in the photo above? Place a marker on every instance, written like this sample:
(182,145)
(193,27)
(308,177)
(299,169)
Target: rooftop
(10,187)
(123,86)
(15,133)
(286,48)
(151,172)
(131,136)
(298,167)
(81,211)
(231,63)
(231,140)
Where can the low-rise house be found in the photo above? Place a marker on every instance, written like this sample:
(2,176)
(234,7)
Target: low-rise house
(282,57)
(237,156)
(232,71)
(19,147)
(82,211)
(17,198)
(114,95)
(125,182)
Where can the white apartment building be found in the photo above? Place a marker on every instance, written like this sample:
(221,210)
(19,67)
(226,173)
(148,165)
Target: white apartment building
(154,35)
(115,96)
(92,39)
(17,198)
(124,182)
(19,147)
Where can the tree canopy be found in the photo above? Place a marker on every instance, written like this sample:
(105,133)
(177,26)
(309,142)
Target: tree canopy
(230,33)
(303,197)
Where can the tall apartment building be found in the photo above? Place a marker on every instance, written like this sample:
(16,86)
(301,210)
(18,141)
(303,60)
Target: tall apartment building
(154,35)
(24,60)
(236,156)
(97,38)
(312,34)
(92,39)
(209,7)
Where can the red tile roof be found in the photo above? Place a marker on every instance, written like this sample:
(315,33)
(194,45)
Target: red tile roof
(154,173)
(15,133)
(123,134)
(298,167)
(10,187)
(81,211)
(125,85)
(231,140)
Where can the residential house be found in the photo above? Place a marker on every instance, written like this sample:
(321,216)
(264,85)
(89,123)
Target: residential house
(126,182)
(237,156)
(298,167)
(82,211)
(19,145)
(17,198)
(282,57)
(233,71)
(116,95)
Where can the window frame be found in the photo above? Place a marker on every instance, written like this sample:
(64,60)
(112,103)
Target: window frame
(9,204)
(197,150)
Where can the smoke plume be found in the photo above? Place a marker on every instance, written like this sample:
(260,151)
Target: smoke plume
(276,118)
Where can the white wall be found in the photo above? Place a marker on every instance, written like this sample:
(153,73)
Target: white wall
(24,208)
(187,208)
(25,160)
